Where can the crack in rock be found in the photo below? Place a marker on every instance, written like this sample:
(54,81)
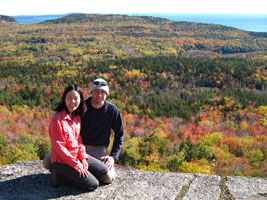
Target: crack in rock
(225,193)
(204,187)
(185,189)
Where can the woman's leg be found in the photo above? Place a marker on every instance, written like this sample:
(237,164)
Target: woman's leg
(89,183)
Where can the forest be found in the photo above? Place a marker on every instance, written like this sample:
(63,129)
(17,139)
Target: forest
(193,96)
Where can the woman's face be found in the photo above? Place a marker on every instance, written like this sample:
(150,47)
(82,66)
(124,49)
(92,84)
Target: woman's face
(72,100)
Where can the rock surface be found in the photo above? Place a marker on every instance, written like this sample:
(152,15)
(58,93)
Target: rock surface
(29,180)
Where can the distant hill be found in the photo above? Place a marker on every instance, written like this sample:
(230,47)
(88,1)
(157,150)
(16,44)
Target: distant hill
(82,18)
(176,26)
(136,25)
(4,18)
(133,36)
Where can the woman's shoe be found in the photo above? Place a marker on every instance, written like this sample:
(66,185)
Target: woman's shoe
(54,179)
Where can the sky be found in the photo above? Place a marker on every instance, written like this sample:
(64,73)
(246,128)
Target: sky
(43,7)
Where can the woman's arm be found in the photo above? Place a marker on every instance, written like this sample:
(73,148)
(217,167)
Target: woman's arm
(82,152)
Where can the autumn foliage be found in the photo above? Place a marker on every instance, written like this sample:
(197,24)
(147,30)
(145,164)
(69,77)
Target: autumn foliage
(186,106)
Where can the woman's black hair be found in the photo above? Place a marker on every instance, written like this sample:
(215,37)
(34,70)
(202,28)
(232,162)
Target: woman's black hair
(62,105)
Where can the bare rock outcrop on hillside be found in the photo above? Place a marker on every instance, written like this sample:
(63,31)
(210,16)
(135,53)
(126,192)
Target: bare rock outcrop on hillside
(29,180)
(4,19)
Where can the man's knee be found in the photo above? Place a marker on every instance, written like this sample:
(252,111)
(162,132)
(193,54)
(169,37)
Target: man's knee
(47,161)
(109,177)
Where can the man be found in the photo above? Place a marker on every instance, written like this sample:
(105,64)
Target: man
(99,119)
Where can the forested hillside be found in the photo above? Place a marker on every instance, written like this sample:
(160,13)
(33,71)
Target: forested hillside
(193,96)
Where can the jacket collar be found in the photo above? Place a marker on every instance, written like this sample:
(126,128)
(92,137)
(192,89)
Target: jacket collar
(66,115)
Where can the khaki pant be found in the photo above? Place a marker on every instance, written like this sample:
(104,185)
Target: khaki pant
(96,152)
(99,152)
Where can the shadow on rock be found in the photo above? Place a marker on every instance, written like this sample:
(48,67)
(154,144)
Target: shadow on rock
(34,187)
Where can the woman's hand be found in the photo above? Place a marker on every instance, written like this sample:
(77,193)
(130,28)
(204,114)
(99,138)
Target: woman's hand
(85,163)
(109,161)
(84,171)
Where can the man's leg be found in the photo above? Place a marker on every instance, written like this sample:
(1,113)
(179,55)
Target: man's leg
(99,153)
(97,168)
(109,177)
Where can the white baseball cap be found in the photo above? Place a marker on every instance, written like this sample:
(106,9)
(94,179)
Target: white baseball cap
(101,84)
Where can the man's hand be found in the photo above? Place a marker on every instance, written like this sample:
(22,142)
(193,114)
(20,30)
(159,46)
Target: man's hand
(109,161)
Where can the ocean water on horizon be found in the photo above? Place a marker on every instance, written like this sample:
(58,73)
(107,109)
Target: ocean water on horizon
(35,18)
(247,22)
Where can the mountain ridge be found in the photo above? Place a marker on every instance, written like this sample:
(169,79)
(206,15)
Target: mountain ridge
(179,26)
(146,25)
(245,22)
(115,18)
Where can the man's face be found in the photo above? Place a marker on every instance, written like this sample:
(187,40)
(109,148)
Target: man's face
(98,97)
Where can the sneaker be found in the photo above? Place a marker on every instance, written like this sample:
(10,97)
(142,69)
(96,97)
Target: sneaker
(54,179)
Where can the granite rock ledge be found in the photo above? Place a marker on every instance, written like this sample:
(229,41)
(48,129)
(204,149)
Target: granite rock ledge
(29,180)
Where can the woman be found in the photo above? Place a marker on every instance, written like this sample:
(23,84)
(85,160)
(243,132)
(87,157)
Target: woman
(68,157)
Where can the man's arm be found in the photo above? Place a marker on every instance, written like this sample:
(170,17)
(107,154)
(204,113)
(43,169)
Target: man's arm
(117,126)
